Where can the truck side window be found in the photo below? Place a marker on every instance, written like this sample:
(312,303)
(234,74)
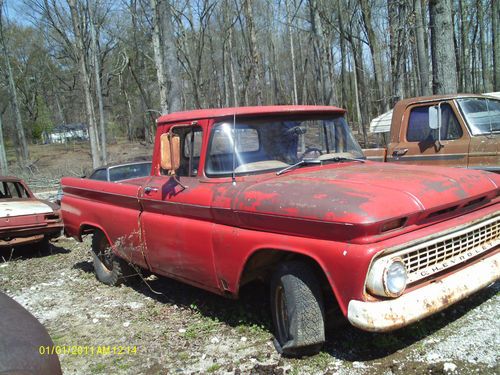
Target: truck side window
(100,175)
(191,141)
(419,130)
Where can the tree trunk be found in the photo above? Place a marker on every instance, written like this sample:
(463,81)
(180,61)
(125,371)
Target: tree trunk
(4,167)
(157,36)
(85,81)
(397,18)
(375,52)
(130,135)
(343,55)
(482,48)
(464,49)
(495,31)
(295,97)
(455,47)
(257,71)
(360,89)
(22,149)
(234,84)
(422,55)
(444,73)
(97,74)
(323,55)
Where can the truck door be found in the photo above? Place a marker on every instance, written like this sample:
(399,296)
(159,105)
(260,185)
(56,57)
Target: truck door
(482,116)
(419,144)
(176,219)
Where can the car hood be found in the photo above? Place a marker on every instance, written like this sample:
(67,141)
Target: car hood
(363,193)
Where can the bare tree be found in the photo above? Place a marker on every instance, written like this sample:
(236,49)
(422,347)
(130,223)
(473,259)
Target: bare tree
(482,47)
(375,51)
(495,32)
(22,149)
(81,56)
(94,50)
(422,55)
(4,167)
(167,66)
(322,54)
(444,72)
(256,68)
(289,20)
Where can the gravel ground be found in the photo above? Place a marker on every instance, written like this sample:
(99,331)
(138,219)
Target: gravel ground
(165,326)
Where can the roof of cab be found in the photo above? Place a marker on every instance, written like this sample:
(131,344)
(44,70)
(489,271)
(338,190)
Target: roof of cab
(432,98)
(247,111)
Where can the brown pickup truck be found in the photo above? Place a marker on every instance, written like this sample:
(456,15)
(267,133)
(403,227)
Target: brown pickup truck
(453,130)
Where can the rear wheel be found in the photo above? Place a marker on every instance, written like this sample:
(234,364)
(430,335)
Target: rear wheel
(297,309)
(109,268)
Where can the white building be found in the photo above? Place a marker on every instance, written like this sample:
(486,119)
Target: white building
(68,132)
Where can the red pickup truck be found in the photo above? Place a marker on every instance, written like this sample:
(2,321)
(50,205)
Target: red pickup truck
(284,194)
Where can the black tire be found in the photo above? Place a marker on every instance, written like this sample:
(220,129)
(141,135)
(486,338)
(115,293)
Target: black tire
(109,268)
(297,310)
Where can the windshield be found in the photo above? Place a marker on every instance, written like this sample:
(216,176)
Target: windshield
(276,143)
(482,115)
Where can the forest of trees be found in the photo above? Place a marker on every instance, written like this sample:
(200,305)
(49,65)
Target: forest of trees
(116,64)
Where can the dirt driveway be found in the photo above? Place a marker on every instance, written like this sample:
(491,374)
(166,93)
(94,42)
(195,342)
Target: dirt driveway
(169,327)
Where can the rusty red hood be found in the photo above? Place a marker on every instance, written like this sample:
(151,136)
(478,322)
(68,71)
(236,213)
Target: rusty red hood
(364,193)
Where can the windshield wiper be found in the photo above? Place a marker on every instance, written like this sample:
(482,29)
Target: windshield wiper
(298,164)
(341,158)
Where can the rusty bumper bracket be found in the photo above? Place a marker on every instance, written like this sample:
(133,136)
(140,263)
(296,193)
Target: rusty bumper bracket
(420,303)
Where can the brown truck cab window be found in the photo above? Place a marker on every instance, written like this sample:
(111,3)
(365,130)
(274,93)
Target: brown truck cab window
(419,130)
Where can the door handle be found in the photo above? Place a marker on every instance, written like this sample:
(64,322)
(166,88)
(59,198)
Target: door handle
(399,151)
(149,189)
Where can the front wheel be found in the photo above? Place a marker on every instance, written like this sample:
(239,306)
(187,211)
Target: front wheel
(297,309)
(109,268)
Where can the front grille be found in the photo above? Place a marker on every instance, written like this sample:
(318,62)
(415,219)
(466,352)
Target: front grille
(428,258)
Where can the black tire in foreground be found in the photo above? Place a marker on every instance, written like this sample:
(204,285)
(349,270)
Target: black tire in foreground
(109,268)
(297,309)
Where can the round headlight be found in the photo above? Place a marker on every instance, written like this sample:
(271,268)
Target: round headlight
(395,278)
(387,277)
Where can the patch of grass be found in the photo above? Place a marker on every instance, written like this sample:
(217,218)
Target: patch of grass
(58,339)
(120,363)
(253,330)
(98,368)
(201,328)
(214,367)
(183,356)
(319,362)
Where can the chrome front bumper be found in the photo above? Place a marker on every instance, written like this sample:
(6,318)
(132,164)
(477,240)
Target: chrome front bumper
(415,305)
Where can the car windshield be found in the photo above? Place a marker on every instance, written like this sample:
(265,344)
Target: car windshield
(129,171)
(276,143)
(481,114)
